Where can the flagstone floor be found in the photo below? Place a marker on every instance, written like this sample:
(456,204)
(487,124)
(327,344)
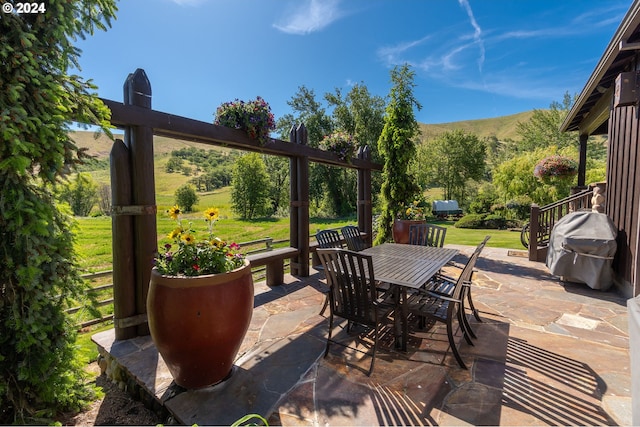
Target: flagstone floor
(547,352)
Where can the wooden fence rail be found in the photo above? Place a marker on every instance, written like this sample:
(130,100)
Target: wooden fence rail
(258,272)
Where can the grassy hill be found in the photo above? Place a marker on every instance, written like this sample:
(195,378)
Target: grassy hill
(99,145)
(501,127)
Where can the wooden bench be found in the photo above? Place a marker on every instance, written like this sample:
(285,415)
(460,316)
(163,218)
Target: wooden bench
(274,261)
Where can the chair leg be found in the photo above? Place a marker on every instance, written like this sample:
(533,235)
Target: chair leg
(326,351)
(467,333)
(473,309)
(467,326)
(462,317)
(325,304)
(452,344)
(375,347)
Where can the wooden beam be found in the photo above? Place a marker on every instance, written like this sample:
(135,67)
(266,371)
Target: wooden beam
(172,126)
(597,115)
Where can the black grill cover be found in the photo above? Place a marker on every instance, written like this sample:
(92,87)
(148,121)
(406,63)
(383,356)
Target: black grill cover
(581,249)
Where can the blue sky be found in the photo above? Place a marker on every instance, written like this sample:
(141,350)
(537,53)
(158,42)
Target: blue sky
(473,59)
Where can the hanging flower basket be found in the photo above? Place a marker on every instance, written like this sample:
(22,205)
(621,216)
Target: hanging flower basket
(340,143)
(253,117)
(555,166)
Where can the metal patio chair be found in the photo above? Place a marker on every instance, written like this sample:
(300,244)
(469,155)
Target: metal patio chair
(353,239)
(443,300)
(427,235)
(353,295)
(328,239)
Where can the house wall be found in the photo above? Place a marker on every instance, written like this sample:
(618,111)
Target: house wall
(623,194)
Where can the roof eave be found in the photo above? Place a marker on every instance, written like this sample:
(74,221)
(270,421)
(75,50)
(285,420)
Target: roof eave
(626,28)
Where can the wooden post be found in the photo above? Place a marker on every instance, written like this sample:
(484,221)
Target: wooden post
(140,142)
(533,232)
(300,204)
(124,288)
(293,201)
(365,216)
(582,164)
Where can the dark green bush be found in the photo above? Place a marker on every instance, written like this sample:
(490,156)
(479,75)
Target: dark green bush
(520,207)
(494,221)
(471,221)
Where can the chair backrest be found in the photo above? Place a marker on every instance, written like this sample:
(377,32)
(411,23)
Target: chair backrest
(352,289)
(328,239)
(352,237)
(427,235)
(467,271)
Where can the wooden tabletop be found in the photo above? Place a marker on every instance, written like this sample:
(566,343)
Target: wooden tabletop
(407,265)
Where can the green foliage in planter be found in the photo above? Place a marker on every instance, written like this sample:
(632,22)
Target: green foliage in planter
(397,146)
(39,374)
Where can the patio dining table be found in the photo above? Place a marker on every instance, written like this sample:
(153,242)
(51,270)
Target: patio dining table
(406,267)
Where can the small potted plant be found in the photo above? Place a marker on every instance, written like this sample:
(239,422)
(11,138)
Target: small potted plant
(555,167)
(411,213)
(340,143)
(254,117)
(199,304)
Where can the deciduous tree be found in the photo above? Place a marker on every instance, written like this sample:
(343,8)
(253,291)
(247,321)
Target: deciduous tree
(186,197)
(452,160)
(250,187)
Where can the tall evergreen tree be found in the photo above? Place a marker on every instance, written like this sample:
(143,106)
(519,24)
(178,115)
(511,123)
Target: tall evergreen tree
(397,146)
(39,373)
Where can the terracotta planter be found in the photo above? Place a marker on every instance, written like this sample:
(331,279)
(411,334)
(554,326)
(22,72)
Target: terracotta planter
(198,323)
(400,229)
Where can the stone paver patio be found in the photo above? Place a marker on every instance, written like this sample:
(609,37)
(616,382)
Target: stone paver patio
(547,352)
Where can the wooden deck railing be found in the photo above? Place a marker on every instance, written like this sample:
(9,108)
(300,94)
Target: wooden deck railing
(256,246)
(542,220)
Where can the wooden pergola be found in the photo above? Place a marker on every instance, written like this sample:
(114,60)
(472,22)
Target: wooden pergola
(134,208)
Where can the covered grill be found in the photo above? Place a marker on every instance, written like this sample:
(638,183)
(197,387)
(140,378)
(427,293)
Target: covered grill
(581,249)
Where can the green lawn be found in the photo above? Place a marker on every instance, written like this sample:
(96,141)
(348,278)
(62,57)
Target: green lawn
(93,238)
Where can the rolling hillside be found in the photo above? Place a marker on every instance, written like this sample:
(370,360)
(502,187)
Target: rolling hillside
(501,127)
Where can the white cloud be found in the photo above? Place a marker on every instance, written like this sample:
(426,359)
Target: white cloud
(477,33)
(393,54)
(310,16)
(187,2)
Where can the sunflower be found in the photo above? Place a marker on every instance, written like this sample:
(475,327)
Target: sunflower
(189,239)
(174,212)
(175,233)
(211,214)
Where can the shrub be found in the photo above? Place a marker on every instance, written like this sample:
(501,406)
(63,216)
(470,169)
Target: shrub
(494,221)
(471,221)
(186,197)
(520,206)
(81,194)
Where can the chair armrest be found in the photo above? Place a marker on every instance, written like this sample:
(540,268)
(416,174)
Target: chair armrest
(435,294)
(443,297)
